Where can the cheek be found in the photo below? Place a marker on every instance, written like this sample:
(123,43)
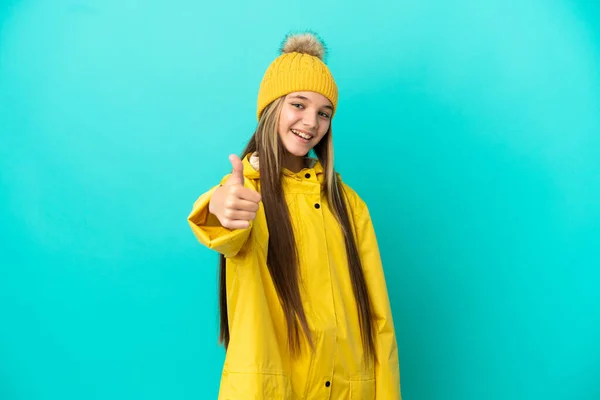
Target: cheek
(285,121)
(324,127)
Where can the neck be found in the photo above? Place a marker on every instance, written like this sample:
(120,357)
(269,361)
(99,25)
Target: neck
(294,163)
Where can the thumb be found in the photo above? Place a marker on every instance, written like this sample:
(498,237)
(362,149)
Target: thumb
(237,174)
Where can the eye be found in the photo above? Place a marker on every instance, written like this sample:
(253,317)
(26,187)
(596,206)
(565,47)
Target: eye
(297,105)
(324,115)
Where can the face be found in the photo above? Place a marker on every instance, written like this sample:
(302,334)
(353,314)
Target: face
(304,120)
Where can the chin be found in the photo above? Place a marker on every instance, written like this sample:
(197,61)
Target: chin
(297,153)
(297,150)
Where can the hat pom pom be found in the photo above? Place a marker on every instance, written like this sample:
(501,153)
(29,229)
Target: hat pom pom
(305,43)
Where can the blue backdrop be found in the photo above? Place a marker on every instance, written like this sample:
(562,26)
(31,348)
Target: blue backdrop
(471,128)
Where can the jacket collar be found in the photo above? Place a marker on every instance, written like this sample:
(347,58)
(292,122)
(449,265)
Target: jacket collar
(252,166)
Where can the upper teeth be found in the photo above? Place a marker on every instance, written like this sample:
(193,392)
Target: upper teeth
(302,135)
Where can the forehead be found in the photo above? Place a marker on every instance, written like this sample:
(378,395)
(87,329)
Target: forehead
(317,98)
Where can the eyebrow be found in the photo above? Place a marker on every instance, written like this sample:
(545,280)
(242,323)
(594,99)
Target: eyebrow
(297,96)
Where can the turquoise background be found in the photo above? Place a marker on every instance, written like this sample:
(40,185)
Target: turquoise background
(472,130)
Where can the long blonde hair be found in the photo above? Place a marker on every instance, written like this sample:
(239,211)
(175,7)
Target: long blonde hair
(282,258)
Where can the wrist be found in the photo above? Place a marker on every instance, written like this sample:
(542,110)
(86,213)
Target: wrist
(214,200)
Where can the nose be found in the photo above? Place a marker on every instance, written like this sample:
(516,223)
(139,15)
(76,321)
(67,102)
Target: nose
(310,121)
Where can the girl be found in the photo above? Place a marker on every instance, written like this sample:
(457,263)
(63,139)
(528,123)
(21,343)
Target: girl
(303,300)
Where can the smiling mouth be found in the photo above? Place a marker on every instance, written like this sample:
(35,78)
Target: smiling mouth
(302,135)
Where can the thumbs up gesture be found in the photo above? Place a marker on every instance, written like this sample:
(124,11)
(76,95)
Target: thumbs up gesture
(233,204)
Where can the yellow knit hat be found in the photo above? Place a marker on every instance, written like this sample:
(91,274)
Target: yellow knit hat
(300,67)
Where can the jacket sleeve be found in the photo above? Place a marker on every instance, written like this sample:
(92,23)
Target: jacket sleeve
(208,230)
(387,369)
